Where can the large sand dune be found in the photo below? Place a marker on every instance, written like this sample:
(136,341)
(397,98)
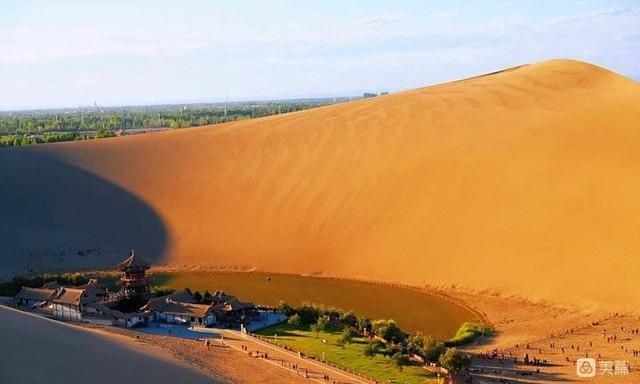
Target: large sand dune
(526,181)
(37,350)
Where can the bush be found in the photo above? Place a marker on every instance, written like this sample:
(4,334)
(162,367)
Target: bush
(468,332)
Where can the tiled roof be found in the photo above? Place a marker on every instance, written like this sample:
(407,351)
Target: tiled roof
(42,294)
(51,285)
(231,305)
(93,288)
(70,296)
(167,305)
(221,297)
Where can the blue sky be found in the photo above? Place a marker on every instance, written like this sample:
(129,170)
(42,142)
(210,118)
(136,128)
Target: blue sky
(72,53)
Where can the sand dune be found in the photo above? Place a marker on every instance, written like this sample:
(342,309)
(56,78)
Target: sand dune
(37,350)
(525,181)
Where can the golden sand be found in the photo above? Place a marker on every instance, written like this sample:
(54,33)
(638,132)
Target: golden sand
(525,181)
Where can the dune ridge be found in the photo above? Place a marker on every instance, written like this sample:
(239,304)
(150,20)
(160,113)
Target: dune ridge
(525,181)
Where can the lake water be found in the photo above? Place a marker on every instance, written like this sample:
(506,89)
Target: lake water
(413,310)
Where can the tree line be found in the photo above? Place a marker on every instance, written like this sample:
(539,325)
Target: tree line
(34,127)
(385,336)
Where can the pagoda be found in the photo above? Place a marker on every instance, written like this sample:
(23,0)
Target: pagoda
(134,281)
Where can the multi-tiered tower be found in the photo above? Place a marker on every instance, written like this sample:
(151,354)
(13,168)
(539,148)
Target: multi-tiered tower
(134,281)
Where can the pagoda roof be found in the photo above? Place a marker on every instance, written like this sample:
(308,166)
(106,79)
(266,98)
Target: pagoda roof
(133,262)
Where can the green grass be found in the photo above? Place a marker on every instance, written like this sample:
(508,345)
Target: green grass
(351,356)
(468,332)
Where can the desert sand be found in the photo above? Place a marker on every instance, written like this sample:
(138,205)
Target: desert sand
(523,181)
(38,350)
(557,334)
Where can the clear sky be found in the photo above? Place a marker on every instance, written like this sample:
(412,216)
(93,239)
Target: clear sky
(72,53)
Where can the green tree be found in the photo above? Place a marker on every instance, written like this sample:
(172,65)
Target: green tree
(371,349)
(349,319)
(295,320)
(388,330)
(363,324)
(346,337)
(285,308)
(309,313)
(454,361)
(319,326)
(104,132)
(432,349)
(415,344)
(399,360)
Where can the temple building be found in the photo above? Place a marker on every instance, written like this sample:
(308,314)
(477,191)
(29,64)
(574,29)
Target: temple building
(132,305)
(35,297)
(134,281)
(180,308)
(69,304)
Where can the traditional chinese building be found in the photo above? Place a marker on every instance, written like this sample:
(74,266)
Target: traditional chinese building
(69,304)
(180,308)
(32,297)
(134,281)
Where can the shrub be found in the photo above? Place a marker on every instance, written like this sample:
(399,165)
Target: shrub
(468,332)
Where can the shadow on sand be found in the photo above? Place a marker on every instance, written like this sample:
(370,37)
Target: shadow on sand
(56,216)
(491,371)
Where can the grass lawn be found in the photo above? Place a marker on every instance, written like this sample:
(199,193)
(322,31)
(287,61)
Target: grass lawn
(351,356)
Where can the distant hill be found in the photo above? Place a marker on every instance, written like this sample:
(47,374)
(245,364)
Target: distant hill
(526,181)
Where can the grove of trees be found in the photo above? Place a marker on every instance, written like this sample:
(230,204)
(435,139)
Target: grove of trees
(44,126)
